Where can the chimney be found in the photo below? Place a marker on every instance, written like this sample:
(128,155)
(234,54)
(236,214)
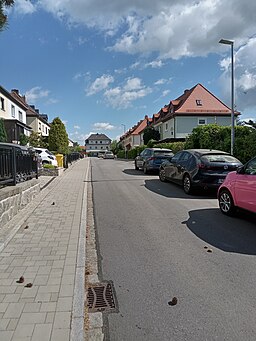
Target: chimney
(37,111)
(16,91)
(32,106)
(185,91)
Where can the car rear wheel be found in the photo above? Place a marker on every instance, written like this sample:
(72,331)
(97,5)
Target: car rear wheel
(187,184)
(162,176)
(136,167)
(226,203)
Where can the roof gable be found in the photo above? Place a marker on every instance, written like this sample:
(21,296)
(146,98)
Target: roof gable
(98,137)
(200,100)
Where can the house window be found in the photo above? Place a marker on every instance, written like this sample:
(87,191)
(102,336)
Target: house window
(202,121)
(198,102)
(100,141)
(2,103)
(39,126)
(20,116)
(45,130)
(166,126)
(13,110)
(96,141)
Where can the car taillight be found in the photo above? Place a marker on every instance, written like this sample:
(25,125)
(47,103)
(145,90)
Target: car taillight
(201,166)
(151,159)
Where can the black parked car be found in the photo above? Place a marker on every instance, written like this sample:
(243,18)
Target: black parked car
(198,168)
(150,159)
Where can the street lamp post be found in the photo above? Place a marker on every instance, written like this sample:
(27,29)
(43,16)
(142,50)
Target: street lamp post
(231,43)
(124,144)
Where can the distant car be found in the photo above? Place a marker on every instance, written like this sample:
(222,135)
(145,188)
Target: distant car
(100,155)
(108,155)
(239,189)
(198,168)
(150,159)
(46,156)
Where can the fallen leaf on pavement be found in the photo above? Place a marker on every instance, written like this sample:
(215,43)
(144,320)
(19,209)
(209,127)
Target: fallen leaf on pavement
(29,285)
(174,301)
(20,280)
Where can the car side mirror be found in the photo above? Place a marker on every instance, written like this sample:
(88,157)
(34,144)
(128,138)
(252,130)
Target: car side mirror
(240,170)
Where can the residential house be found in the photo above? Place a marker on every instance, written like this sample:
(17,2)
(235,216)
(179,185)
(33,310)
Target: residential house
(97,143)
(134,136)
(71,143)
(38,122)
(195,107)
(13,112)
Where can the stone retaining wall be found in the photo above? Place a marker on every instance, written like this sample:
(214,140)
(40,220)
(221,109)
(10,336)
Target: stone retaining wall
(13,199)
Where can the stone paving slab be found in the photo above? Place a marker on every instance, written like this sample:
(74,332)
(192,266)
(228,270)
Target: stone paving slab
(45,243)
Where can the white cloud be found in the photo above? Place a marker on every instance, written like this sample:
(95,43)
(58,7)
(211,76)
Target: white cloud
(99,84)
(103,126)
(35,93)
(245,76)
(24,7)
(160,81)
(155,64)
(122,97)
(76,127)
(165,93)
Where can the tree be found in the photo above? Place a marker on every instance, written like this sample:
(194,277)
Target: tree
(35,139)
(23,140)
(3,135)
(150,134)
(3,17)
(58,137)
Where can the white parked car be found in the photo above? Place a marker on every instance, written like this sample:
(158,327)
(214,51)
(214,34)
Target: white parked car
(108,155)
(47,157)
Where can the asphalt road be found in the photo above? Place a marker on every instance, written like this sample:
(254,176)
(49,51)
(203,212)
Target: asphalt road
(151,244)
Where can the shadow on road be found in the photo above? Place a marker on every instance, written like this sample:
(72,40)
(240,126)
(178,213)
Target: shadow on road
(230,234)
(171,190)
(135,172)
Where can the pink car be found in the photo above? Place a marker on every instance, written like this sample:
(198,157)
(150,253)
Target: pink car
(239,189)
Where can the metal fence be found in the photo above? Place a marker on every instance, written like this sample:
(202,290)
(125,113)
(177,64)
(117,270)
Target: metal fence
(17,164)
(69,158)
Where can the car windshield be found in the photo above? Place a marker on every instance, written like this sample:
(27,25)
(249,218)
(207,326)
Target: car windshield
(219,158)
(49,153)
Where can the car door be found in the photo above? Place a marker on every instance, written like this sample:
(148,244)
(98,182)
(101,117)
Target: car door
(171,169)
(182,165)
(245,187)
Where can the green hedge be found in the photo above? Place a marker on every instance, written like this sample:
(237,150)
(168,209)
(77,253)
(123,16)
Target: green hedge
(213,136)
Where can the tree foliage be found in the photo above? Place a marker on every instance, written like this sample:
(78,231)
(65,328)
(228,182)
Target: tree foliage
(23,139)
(3,135)
(58,137)
(150,134)
(3,17)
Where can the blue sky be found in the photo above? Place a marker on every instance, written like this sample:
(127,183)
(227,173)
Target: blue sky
(101,66)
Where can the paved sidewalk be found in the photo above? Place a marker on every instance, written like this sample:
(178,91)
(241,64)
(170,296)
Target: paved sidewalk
(46,245)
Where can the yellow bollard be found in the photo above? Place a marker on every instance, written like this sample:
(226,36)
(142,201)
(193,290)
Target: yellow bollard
(59,158)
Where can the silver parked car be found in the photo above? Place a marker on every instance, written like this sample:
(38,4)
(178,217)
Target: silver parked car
(108,155)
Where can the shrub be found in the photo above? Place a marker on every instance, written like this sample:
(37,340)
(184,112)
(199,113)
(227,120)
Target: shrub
(48,166)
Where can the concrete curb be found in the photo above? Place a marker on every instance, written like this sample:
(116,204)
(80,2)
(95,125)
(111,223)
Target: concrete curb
(77,322)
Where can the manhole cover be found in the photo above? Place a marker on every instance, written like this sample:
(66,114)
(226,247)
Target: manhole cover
(100,297)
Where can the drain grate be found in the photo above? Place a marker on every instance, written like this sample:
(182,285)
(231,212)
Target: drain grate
(100,297)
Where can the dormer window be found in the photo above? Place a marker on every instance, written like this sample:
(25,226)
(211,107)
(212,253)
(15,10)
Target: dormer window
(199,102)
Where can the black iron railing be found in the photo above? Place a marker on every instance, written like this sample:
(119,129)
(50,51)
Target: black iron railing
(69,158)
(17,164)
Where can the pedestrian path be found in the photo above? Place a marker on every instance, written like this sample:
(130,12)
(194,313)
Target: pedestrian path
(43,264)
